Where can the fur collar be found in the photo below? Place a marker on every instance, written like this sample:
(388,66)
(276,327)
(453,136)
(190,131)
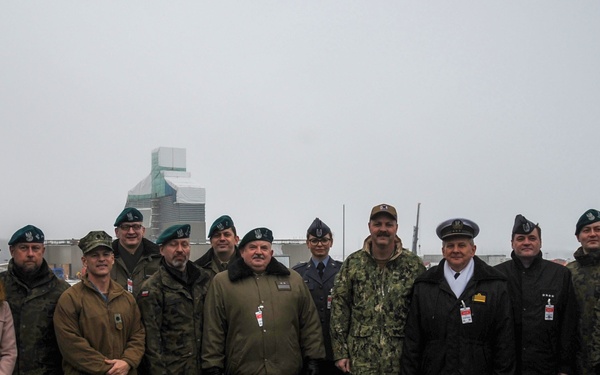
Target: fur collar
(239,270)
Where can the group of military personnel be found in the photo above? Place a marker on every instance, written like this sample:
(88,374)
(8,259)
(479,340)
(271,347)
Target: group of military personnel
(145,308)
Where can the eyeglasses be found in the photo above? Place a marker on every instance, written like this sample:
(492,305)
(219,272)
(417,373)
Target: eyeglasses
(315,241)
(127,227)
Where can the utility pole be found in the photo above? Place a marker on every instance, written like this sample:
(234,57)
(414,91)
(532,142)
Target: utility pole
(416,231)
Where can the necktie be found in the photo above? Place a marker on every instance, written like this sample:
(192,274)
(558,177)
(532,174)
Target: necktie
(456,275)
(320,267)
(224,265)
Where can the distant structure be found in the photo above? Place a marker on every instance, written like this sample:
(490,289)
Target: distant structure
(168,196)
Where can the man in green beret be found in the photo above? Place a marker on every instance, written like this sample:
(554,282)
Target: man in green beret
(136,258)
(585,270)
(172,303)
(260,317)
(223,240)
(97,322)
(32,290)
(543,302)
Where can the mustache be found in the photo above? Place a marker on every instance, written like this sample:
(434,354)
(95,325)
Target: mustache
(383,234)
(258,256)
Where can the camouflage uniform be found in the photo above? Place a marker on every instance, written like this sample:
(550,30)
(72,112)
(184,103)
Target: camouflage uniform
(369,309)
(585,270)
(172,315)
(146,266)
(32,310)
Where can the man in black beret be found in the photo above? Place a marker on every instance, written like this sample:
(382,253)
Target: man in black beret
(585,271)
(319,274)
(260,317)
(32,290)
(172,303)
(460,321)
(544,306)
(136,258)
(223,240)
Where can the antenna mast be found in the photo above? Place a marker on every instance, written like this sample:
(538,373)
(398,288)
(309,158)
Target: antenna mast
(416,231)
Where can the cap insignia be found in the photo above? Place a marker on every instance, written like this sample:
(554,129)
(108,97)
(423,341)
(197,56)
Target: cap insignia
(590,216)
(258,234)
(180,233)
(319,232)
(129,216)
(457,225)
(526,228)
(384,207)
(28,236)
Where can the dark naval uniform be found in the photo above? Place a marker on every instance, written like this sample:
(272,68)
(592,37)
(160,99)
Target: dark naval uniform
(546,341)
(320,290)
(146,266)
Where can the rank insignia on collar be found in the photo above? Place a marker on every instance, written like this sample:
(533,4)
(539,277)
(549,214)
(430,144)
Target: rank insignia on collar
(479,297)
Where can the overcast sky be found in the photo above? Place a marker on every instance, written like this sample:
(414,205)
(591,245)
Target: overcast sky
(290,110)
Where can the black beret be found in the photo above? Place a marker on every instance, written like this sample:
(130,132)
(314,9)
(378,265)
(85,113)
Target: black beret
(174,232)
(222,223)
(95,239)
(318,228)
(28,233)
(457,227)
(129,215)
(590,216)
(257,234)
(522,225)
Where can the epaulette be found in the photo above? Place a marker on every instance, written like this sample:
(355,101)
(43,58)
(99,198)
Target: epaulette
(299,265)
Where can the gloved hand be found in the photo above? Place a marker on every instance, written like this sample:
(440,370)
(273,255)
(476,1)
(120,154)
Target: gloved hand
(311,367)
(213,371)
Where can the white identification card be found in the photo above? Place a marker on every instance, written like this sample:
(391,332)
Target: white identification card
(549,312)
(465,315)
(259,316)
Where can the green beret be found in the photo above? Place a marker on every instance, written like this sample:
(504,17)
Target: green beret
(95,239)
(457,227)
(129,215)
(590,216)
(28,233)
(257,234)
(318,229)
(174,232)
(222,223)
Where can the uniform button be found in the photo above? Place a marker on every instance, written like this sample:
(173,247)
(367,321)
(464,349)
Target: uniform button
(264,330)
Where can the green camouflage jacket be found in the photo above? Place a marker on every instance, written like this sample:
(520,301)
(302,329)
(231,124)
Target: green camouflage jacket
(146,266)
(32,310)
(172,315)
(369,309)
(585,271)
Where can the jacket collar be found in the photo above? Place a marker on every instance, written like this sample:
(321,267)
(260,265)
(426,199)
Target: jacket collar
(589,259)
(536,261)
(240,270)
(149,248)
(480,272)
(206,259)
(397,251)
